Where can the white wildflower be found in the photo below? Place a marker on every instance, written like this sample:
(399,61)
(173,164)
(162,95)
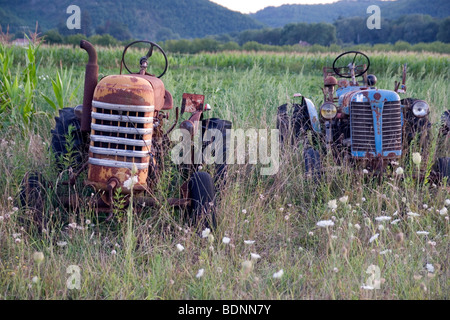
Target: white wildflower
(385,251)
(17,240)
(423,233)
(249,241)
(395,221)
(332,204)
(365,171)
(380,227)
(343,199)
(357,226)
(429,267)
(413,214)
(226,240)
(310,233)
(113,252)
(363,199)
(447,202)
(200,273)
(130,182)
(382,218)
(2,218)
(206,232)
(335,270)
(61,243)
(255,256)
(279,274)
(281,209)
(244,211)
(325,223)
(38,257)
(417,158)
(35,280)
(399,171)
(374,237)
(180,247)
(443,211)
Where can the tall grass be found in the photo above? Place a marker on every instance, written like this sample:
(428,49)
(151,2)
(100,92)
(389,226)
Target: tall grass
(134,256)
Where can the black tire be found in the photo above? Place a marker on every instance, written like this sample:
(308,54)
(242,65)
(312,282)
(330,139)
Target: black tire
(66,119)
(293,128)
(202,210)
(442,168)
(32,197)
(283,124)
(312,163)
(221,169)
(445,121)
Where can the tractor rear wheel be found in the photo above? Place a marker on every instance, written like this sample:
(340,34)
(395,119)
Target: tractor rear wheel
(312,163)
(67,140)
(202,210)
(442,168)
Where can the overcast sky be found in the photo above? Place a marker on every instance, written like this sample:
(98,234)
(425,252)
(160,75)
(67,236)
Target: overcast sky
(247,6)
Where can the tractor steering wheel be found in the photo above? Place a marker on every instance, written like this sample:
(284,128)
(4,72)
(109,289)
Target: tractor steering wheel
(143,60)
(357,61)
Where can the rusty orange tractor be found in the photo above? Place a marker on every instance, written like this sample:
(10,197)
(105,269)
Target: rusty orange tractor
(119,139)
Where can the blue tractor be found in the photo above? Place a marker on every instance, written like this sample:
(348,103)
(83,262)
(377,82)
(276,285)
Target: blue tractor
(357,122)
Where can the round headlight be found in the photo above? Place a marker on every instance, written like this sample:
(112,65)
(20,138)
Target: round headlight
(420,108)
(328,110)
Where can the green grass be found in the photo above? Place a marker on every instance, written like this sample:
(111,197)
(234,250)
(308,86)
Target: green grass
(137,258)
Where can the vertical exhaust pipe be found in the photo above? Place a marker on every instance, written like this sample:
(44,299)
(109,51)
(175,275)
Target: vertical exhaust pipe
(90,82)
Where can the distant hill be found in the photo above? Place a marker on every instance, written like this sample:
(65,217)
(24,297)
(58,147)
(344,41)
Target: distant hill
(280,16)
(143,19)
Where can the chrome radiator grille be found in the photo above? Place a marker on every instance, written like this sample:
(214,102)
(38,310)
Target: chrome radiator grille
(363,134)
(121,135)
(392,126)
(363,131)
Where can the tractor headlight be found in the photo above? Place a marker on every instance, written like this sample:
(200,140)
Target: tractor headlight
(328,110)
(420,108)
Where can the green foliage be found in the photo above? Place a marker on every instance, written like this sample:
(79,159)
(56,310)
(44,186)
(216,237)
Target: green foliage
(103,40)
(53,37)
(62,88)
(141,19)
(282,15)
(17,93)
(137,257)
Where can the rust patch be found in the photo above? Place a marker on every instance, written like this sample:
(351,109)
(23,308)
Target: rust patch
(377,96)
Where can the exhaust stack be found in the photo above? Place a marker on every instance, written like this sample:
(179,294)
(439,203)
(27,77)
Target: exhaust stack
(90,82)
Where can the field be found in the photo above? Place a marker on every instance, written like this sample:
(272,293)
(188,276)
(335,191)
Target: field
(271,221)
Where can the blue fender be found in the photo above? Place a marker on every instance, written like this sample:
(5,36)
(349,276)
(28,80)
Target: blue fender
(313,115)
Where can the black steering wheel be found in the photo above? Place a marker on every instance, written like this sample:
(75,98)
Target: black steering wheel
(351,59)
(144,59)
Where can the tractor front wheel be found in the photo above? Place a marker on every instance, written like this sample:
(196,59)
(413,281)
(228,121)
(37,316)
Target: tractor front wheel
(202,210)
